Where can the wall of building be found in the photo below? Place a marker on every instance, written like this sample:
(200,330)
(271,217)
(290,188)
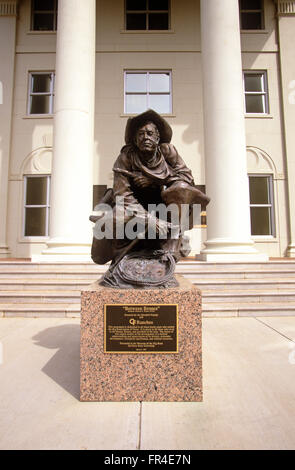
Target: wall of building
(178,50)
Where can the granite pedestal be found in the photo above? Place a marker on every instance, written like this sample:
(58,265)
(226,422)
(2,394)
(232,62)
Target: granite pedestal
(154,376)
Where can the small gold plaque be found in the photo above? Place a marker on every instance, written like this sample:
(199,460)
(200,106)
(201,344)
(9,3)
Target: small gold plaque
(141,328)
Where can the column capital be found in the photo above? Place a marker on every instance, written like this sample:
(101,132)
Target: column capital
(285,7)
(8,8)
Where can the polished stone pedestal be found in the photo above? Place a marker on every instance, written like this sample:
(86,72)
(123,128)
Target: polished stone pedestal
(154,376)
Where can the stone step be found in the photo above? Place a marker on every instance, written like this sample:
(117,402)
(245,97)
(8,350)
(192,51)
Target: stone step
(193,276)
(217,285)
(181,267)
(40,297)
(91,276)
(229,289)
(222,285)
(201,267)
(249,297)
(265,309)
(259,274)
(73,296)
(36,284)
(40,310)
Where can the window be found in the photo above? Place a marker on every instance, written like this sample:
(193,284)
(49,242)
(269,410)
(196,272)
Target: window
(145,90)
(256,92)
(36,213)
(261,205)
(251,14)
(147,14)
(44,15)
(41,93)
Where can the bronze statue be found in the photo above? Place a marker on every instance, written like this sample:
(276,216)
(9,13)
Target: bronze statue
(149,174)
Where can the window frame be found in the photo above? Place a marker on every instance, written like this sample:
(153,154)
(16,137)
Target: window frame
(148,93)
(50,93)
(264,92)
(53,12)
(40,206)
(262,15)
(147,11)
(270,205)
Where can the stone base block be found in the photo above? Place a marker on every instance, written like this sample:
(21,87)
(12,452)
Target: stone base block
(154,376)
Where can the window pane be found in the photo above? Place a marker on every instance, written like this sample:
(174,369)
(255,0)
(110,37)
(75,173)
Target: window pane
(36,191)
(41,83)
(253,82)
(260,221)
(158,4)
(35,224)
(40,104)
(135,21)
(158,21)
(259,193)
(43,22)
(160,103)
(136,82)
(43,5)
(135,4)
(254,104)
(251,21)
(136,103)
(250,4)
(159,82)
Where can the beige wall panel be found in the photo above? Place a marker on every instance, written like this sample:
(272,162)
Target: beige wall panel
(264,40)
(265,133)
(186,118)
(32,41)
(29,133)
(184,34)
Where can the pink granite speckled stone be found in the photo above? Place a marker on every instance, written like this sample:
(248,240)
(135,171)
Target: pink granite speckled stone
(141,377)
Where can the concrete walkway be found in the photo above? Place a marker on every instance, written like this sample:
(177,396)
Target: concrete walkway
(249,392)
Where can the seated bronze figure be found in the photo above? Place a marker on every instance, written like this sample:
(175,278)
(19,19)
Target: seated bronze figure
(149,173)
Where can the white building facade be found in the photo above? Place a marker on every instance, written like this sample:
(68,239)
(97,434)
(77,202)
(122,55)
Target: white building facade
(221,72)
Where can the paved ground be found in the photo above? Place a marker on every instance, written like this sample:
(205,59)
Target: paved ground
(249,392)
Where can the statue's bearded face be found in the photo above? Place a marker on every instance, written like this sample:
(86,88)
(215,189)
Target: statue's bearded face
(147,138)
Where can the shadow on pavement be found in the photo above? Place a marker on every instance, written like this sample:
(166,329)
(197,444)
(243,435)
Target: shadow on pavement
(64,366)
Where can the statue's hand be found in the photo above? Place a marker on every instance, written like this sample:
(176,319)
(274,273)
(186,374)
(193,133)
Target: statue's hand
(142,181)
(162,227)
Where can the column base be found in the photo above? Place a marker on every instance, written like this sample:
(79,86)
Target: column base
(64,250)
(4,252)
(290,253)
(230,251)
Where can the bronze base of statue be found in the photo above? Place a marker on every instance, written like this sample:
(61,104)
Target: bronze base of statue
(148,270)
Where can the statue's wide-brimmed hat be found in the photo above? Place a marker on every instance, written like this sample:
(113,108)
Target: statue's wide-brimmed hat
(135,123)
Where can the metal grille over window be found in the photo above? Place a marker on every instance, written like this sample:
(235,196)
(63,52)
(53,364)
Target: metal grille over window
(44,15)
(256,93)
(145,90)
(261,205)
(251,14)
(147,14)
(36,214)
(41,93)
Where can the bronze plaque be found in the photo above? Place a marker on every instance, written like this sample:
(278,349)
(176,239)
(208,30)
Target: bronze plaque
(136,328)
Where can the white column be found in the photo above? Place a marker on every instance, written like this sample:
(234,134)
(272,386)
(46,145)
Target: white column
(228,214)
(286,37)
(71,182)
(8,11)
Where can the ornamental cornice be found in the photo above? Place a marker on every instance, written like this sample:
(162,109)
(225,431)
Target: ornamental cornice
(8,8)
(285,7)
